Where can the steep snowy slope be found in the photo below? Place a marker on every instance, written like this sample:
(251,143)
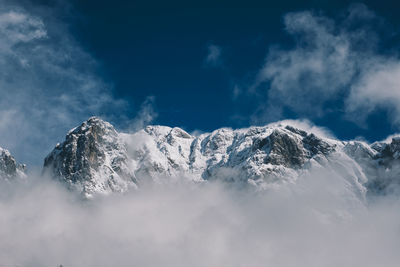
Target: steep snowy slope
(9,168)
(95,158)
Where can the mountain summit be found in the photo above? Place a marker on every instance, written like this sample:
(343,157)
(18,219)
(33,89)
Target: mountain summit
(92,159)
(9,168)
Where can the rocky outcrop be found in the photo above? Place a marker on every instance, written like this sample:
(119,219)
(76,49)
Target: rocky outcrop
(92,159)
(384,170)
(9,168)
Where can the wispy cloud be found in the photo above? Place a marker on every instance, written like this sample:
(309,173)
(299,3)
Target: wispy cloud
(213,55)
(17,27)
(146,115)
(48,83)
(334,66)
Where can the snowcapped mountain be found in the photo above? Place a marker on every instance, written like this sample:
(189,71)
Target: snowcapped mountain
(9,168)
(92,159)
(95,158)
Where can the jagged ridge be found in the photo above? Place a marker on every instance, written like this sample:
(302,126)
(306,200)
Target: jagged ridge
(95,158)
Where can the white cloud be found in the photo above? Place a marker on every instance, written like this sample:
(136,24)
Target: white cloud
(48,83)
(379,87)
(311,223)
(333,66)
(214,55)
(16,27)
(236,92)
(146,115)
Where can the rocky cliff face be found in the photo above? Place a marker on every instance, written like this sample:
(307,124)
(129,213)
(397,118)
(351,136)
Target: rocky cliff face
(384,168)
(9,168)
(95,158)
(92,159)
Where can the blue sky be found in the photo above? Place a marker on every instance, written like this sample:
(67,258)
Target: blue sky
(161,50)
(198,66)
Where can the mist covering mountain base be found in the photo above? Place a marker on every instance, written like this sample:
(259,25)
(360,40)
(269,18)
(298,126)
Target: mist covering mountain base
(311,223)
(278,195)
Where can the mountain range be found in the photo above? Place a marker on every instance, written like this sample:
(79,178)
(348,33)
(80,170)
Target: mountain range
(96,159)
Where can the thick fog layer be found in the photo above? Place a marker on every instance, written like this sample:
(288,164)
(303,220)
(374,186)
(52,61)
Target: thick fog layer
(316,222)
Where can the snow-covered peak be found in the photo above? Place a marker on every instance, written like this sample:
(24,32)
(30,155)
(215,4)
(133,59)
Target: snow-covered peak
(92,159)
(9,168)
(93,123)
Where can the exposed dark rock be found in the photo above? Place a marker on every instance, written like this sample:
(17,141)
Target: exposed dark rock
(92,157)
(284,150)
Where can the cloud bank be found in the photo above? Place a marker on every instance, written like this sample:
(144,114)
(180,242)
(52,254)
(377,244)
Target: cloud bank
(334,66)
(308,224)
